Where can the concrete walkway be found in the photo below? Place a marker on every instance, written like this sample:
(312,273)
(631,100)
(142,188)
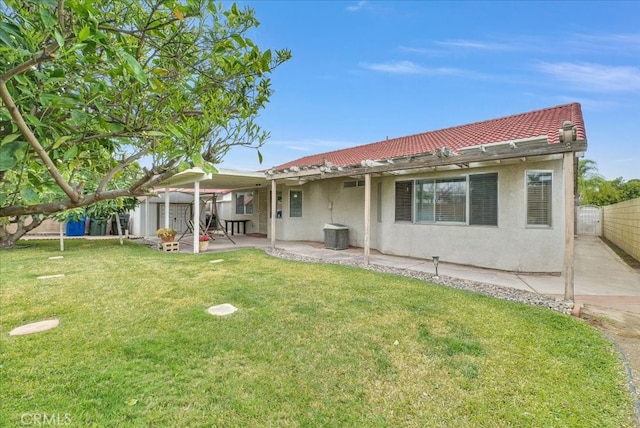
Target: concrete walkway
(601,278)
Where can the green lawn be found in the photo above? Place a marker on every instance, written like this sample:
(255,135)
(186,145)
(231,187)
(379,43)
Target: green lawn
(311,345)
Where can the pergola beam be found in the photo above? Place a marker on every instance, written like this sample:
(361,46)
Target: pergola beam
(527,151)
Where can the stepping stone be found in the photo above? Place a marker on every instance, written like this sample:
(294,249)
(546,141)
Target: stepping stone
(35,327)
(51,276)
(56,257)
(221,310)
(216,261)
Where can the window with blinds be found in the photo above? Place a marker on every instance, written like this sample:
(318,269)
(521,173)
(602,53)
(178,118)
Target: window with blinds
(539,185)
(404,195)
(425,195)
(451,200)
(483,199)
(441,200)
(445,200)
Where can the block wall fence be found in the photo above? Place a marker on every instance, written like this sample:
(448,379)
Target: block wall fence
(621,225)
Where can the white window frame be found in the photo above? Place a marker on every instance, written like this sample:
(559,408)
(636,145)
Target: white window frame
(526,198)
(291,192)
(467,209)
(244,206)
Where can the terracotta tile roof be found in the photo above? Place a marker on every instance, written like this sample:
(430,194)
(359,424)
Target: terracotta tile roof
(525,125)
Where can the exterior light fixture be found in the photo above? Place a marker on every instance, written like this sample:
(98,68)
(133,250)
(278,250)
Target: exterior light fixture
(436,260)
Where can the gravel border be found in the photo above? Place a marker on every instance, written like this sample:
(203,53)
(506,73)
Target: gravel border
(506,293)
(500,292)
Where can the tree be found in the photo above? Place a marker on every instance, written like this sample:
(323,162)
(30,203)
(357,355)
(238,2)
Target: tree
(587,172)
(110,91)
(630,189)
(599,191)
(594,189)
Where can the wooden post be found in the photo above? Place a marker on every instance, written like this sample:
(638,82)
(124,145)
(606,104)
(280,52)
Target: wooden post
(367,218)
(62,237)
(116,216)
(274,212)
(166,207)
(196,217)
(569,224)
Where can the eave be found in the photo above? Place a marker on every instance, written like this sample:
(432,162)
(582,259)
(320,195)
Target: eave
(468,157)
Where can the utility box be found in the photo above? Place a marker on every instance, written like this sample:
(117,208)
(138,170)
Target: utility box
(336,236)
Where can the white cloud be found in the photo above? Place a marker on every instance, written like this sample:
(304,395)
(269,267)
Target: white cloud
(408,67)
(298,148)
(469,44)
(359,6)
(594,77)
(423,51)
(622,44)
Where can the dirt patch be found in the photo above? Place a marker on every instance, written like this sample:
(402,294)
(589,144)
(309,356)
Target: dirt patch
(621,327)
(626,257)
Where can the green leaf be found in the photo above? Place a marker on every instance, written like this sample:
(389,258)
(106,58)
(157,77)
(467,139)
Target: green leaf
(209,168)
(58,38)
(84,33)
(71,153)
(21,79)
(175,130)
(239,40)
(266,60)
(135,67)
(155,134)
(29,195)
(9,138)
(61,141)
(48,20)
(10,35)
(8,158)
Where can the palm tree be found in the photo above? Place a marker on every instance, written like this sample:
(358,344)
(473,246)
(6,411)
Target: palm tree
(593,188)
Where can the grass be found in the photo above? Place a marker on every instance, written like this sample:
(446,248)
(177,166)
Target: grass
(311,345)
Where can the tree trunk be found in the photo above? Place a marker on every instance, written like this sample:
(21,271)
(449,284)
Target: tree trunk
(16,229)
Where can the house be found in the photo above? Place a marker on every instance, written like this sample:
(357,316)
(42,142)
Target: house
(497,194)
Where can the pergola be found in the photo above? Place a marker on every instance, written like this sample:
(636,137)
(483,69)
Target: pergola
(196,179)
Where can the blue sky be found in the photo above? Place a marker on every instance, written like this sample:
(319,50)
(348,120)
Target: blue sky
(363,71)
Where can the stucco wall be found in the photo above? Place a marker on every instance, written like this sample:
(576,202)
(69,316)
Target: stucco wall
(509,246)
(621,225)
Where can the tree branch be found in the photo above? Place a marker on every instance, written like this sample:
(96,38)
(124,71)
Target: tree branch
(53,207)
(33,142)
